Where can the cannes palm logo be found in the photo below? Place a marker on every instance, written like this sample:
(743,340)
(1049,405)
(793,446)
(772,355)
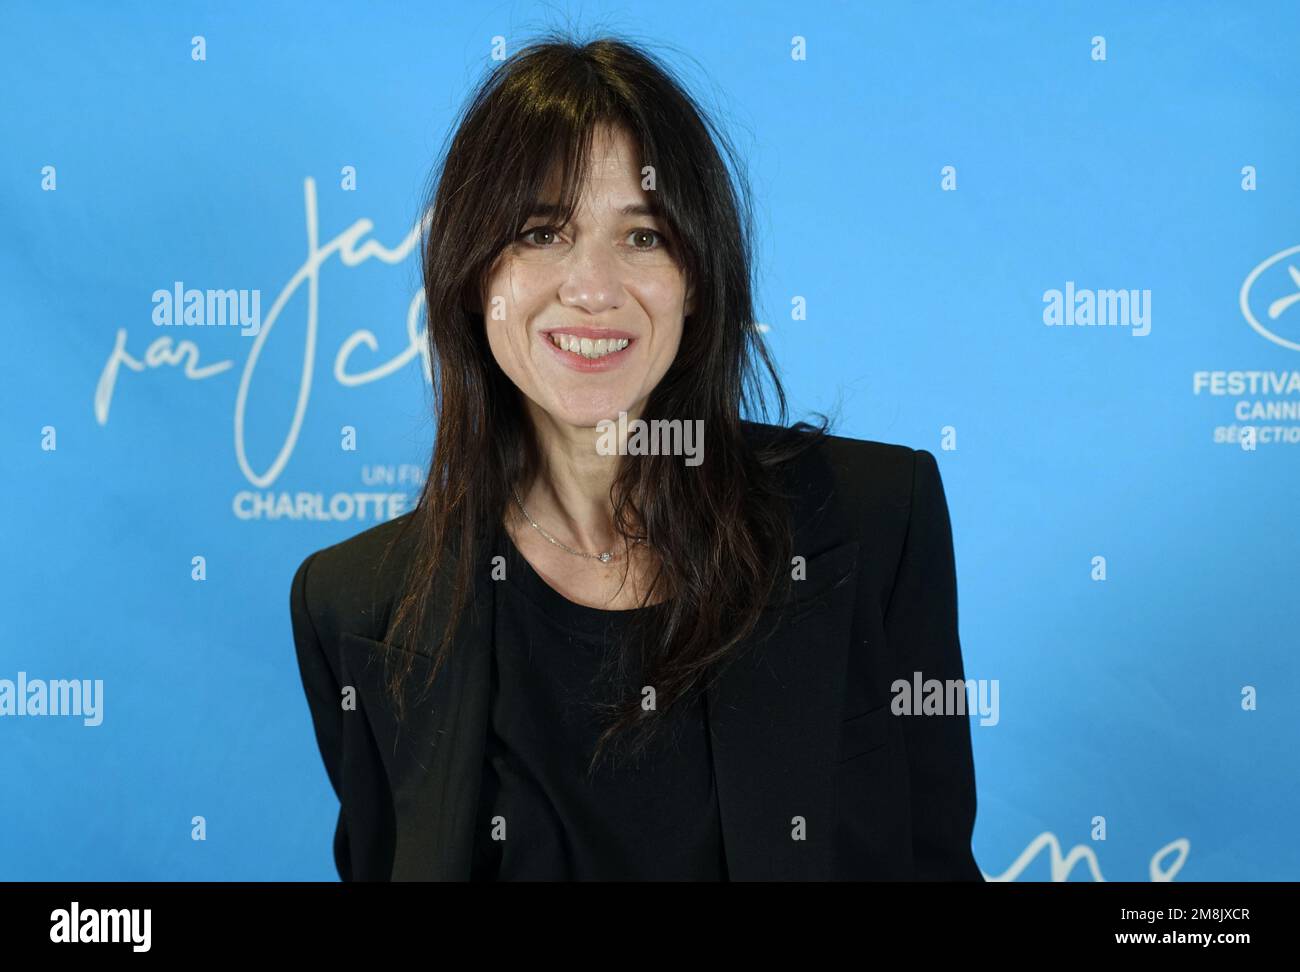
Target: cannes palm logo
(1265,401)
(1270,298)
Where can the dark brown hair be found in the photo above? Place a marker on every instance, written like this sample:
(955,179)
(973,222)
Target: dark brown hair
(720,530)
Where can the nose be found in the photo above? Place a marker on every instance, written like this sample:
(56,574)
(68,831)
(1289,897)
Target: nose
(593,280)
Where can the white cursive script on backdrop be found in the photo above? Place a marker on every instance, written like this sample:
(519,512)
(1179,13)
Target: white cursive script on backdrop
(352,250)
(1062,864)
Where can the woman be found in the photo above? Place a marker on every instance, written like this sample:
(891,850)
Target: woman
(594,650)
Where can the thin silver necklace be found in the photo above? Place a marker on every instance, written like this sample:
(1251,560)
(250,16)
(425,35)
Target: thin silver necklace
(604,557)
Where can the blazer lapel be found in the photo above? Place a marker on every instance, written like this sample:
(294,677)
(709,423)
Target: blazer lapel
(434,760)
(774,718)
(443,803)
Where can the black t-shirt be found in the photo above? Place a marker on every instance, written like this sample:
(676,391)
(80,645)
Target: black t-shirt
(651,818)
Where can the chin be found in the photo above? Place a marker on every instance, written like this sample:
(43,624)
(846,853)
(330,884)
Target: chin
(589,413)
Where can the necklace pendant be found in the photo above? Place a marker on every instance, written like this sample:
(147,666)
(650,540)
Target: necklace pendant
(605,558)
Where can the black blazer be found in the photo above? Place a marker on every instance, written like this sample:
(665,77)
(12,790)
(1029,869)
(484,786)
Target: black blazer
(801,725)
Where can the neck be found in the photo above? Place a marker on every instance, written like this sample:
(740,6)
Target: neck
(569,496)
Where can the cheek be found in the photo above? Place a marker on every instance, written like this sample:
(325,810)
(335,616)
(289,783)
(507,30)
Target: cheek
(666,305)
(505,315)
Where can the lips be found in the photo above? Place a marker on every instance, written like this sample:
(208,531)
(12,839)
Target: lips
(588,349)
(595,333)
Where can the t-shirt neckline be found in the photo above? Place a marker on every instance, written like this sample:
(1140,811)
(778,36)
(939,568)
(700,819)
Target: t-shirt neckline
(525,579)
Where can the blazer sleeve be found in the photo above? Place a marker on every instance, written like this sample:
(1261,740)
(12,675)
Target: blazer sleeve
(921,624)
(324,701)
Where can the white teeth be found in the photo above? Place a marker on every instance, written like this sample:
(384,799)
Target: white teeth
(586,346)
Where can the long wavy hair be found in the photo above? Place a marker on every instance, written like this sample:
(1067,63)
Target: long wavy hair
(720,532)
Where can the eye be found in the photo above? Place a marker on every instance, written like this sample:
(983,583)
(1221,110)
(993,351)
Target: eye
(527,234)
(646,231)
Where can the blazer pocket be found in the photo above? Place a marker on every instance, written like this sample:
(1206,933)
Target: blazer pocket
(365,663)
(360,644)
(865,733)
(376,719)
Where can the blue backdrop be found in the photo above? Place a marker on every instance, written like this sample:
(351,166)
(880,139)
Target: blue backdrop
(935,183)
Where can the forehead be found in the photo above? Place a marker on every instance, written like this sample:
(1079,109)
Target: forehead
(613,155)
(611,181)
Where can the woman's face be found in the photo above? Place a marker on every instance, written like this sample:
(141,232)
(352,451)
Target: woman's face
(605,287)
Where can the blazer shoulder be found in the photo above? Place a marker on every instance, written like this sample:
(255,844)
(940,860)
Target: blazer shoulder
(869,463)
(872,466)
(889,498)
(350,586)
(865,486)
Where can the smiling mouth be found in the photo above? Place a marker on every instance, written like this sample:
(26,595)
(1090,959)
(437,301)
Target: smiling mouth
(586,347)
